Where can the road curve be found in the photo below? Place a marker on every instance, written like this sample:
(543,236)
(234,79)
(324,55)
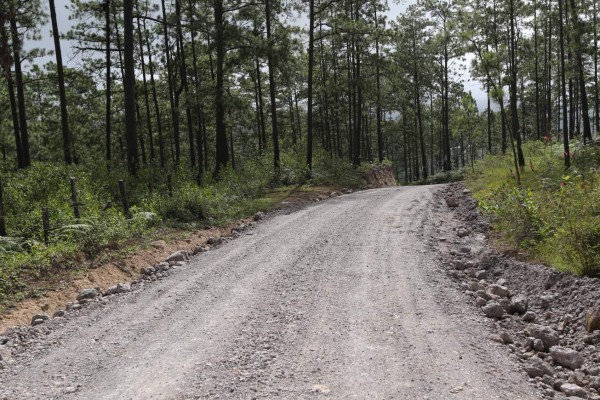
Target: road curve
(341,300)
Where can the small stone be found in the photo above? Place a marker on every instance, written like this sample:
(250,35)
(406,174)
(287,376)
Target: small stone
(481,274)
(578,378)
(545,334)
(498,290)
(505,303)
(566,357)
(200,249)
(529,316)
(493,309)
(592,319)
(162,267)
(148,271)
(180,255)
(117,289)
(536,367)
(88,294)
(546,300)
(480,302)
(570,389)
(40,317)
(261,215)
(506,338)
(466,191)
(538,345)
(58,314)
(519,304)
(461,233)
(595,382)
(213,241)
(451,202)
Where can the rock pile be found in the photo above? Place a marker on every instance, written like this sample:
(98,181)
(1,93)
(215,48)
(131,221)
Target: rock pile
(549,320)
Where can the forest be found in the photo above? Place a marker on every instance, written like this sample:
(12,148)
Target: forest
(187,111)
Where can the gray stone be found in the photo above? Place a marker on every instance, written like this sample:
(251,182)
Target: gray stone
(546,300)
(88,294)
(148,271)
(493,309)
(58,314)
(592,319)
(572,390)
(529,316)
(463,233)
(201,249)
(213,241)
(451,202)
(545,334)
(538,345)
(261,215)
(40,317)
(162,267)
(484,295)
(481,274)
(480,302)
(566,357)
(118,288)
(474,286)
(519,304)
(505,303)
(595,382)
(498,290)
(536,367)
(180,255)
(506,338)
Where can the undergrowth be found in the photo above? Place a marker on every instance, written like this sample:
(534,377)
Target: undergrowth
(103,224)
(554,216)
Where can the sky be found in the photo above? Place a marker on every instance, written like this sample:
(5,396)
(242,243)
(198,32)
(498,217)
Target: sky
(396,8)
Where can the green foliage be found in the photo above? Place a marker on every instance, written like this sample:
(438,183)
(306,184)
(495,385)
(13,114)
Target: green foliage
(555,215)
(103,224)
(446,177)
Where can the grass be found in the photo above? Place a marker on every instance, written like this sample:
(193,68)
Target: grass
(554,216)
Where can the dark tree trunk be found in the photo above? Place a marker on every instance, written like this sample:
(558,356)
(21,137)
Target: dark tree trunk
(222,151)
(272,88)
(311,65)
(565,127)
(514,111)
(129,86)
(64,115)
(5,61)
(145,83)
(108,113)
(20,94)
(161,140)
(171,84)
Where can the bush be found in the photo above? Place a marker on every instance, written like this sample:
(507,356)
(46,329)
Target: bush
(555,215)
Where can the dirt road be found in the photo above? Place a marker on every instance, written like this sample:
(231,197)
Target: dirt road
(341,300)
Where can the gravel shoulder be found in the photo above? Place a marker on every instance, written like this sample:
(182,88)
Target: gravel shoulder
(344,299)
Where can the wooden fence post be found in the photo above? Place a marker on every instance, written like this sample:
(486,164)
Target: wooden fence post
(124,200)
(2,223)
(46,224)
(74,197)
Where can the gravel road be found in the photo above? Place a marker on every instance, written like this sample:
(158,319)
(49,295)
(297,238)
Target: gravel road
(341,300)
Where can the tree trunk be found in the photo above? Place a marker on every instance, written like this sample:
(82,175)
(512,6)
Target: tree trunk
(64,115)
(272,88)
(129,87)
(108,120)
(222,151)
(565,126)
(145,83)
(311,64)
(20,94)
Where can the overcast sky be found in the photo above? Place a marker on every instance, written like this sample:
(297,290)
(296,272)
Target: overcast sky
(64,24)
